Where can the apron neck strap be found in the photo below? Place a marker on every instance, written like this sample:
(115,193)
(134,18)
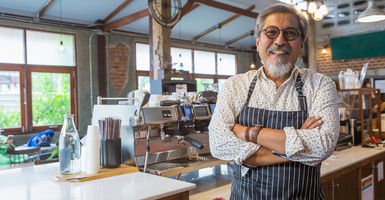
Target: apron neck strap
(298,88)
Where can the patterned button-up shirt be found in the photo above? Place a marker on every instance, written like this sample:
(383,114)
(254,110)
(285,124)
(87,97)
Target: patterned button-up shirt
(308,146)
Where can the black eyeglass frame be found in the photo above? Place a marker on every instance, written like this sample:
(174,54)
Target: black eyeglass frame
(284,31)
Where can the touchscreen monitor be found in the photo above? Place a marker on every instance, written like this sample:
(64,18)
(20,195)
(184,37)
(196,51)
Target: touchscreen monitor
(201,111)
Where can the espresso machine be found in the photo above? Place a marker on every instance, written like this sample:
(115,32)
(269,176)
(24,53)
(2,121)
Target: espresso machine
(346,130)
(155,137)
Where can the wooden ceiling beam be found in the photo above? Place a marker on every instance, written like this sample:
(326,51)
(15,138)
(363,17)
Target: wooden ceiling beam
(188,7)
(221,24)
(229,8)
(117,10)
(126,20)
(44,8)
(236,39)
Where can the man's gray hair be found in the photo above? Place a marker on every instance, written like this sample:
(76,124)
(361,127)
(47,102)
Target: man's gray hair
(282,8)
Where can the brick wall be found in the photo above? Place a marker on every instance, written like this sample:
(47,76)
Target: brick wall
(118,58)
(327,66)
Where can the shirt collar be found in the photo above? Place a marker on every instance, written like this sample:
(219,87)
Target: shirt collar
(293,75)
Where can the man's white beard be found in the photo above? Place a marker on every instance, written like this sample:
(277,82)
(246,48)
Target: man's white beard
(278,70)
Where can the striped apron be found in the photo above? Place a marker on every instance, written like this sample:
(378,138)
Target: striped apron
(292,180)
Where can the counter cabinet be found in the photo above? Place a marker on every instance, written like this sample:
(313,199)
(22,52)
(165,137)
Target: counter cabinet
(358,181)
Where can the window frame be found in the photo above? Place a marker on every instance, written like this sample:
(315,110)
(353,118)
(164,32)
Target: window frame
(73,96)
(25,70)
(17,68)
(194,75)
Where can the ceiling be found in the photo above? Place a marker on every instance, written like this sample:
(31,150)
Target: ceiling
(202,18)
(341,19)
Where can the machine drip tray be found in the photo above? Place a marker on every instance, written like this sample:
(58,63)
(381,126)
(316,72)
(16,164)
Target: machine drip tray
(182,165)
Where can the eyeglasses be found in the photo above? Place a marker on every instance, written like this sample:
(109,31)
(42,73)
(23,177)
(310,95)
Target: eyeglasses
(289,34)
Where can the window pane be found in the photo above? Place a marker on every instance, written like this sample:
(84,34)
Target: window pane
(10,115)
(204,84)
(144,83)
(204,62)
(142,57)
(226,64)
(181,59)
(12,45)
(44,49)
(51,98)
(221,82)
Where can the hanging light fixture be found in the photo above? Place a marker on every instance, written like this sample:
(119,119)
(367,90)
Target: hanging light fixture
(371,14)
(252,65)
(323,9)
(312,9)
(61,45)
(325,49)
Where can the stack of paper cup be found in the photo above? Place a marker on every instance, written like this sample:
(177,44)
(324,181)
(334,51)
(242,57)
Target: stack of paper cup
(92,150)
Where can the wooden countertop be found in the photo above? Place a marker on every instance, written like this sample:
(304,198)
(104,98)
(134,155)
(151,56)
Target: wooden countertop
(347,158)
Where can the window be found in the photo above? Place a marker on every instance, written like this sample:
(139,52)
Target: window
(143,66)
(50,98)
(49,76)
(10,101)
(144,83)
(204,66)
(181,59)
(204,62)
(42,49)
(226,64)
(12,45)
(142,57)
(221,82)
(204,84)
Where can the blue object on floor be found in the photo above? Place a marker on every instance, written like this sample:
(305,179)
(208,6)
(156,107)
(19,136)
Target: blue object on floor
(42,139)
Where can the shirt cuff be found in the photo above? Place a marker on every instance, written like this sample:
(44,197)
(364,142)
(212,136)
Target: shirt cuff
(293,143)
(249,150)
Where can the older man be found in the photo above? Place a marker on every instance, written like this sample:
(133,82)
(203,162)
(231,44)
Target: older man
(277,123)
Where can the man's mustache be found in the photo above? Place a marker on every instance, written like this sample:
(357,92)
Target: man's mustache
(279,48)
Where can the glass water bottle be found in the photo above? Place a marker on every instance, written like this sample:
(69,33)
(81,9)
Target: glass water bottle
(69,147)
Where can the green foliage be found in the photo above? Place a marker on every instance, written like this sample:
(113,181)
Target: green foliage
(9,119)
(51,98)
(143,81)
(50,101)
(201,82)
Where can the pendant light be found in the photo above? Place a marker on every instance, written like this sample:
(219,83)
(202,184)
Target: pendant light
(312,7)
(252,65)
(61,45)
(371,14)
(317,9)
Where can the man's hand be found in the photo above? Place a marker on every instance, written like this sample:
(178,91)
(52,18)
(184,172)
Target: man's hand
(264,157)
(239,131)
(312,122)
